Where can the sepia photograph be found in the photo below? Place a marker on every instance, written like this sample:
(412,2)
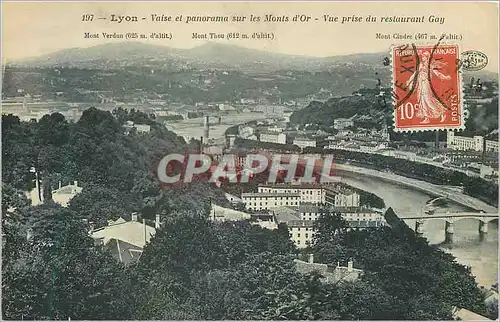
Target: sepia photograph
(249,160)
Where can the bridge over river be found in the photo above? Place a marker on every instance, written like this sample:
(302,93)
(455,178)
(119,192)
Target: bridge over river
(450,218)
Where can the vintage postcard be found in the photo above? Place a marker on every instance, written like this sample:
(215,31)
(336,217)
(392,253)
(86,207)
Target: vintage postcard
(249,160)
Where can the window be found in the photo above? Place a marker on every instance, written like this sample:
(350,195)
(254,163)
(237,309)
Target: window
(298,235)
(307,235)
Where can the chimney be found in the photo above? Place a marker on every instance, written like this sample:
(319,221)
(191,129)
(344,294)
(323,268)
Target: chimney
(349,266)
(157,221)
(134,216)
(91,227)
(60,184)
(206,127)
(311,258)
(75,183)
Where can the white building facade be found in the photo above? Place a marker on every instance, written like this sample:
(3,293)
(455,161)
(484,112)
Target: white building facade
(463,143)
(270,137)
(311,193)
(268,201)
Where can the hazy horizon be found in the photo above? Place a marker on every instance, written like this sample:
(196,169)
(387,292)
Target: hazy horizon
(193,47)
(35,29)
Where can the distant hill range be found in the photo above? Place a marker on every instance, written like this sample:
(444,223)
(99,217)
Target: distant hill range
(209,55)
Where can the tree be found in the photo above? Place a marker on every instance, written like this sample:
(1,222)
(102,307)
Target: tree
(99,204)
(45,281)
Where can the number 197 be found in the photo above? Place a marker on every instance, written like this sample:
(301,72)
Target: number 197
(88,17)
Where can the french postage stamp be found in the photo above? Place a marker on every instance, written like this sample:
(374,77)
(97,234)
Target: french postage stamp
(427,88)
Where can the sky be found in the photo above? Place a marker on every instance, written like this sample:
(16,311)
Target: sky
(33,29)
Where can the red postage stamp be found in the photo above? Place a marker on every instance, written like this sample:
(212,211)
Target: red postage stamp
(427,88)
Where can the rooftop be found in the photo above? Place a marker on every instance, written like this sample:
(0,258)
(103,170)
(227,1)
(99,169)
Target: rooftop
(309,207)
(269,195)
(293,186)
(300,223)
(131,232)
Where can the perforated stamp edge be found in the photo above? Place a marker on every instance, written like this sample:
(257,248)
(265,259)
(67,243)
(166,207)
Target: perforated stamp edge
(464,113)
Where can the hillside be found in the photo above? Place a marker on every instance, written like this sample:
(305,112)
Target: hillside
(209,55)
(323,114)
(483,117)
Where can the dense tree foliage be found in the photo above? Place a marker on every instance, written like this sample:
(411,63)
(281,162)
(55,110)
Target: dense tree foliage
(52,270)
(192,268)
(424,281)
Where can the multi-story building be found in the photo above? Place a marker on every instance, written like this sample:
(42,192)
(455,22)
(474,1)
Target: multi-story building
(491,146)
(341,197)
(303,142)
(267,201)
(353,215)
(309,192)
(341,123)
(301,232)
(272,137)
(457,142)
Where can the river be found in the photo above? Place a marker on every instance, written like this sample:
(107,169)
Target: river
(193,128)
(481,256)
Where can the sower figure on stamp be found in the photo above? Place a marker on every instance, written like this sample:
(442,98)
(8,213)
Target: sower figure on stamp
(429,107)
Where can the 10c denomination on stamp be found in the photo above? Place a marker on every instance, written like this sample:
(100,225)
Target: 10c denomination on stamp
(427,88)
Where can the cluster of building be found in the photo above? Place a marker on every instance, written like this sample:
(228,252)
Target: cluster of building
(299,205)
(361,139)
(276,134)
(28,108)
(271,196)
